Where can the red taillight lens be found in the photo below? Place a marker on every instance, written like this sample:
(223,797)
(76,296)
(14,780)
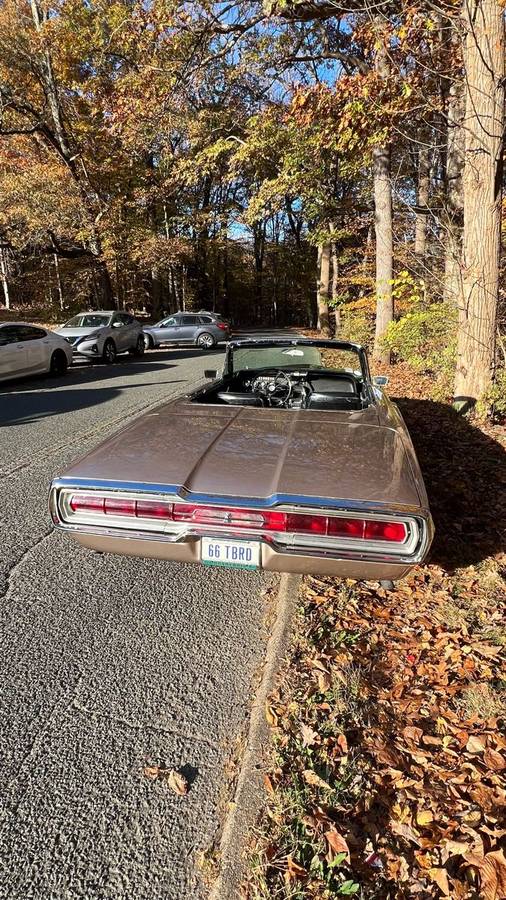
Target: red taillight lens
(346,527)
(258,520)
(86,503)
(117,507)
(368,529)
(222,325)
(149,509)
(275,521)
(385,531)
(304,524)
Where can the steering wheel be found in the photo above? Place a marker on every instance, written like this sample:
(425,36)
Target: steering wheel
(274,389)
(281,388)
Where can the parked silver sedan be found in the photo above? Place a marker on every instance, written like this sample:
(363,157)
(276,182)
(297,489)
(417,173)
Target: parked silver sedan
(101,335)
(200,329)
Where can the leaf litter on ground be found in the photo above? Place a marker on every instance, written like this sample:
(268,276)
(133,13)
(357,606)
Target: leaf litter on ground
(388,772)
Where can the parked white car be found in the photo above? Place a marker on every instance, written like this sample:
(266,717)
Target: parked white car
(28,349)
(102,334)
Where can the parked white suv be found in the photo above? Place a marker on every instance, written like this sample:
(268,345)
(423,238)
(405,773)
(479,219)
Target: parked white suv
(101,335)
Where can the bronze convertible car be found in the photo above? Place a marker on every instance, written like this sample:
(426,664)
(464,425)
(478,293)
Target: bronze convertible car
(294,460)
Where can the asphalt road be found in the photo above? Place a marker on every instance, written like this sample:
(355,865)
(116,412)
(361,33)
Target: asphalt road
(109,663)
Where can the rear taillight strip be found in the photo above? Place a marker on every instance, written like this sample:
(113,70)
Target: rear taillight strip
(256,520)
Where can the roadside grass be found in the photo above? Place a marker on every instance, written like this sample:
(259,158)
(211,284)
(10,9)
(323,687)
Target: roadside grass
(482,701)
(387,771)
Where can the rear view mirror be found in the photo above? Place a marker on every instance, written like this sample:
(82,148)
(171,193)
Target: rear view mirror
(117,324)
(211,374)
(381,380)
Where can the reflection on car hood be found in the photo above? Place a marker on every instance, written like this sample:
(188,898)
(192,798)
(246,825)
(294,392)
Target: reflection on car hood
(80,332)
(231,452)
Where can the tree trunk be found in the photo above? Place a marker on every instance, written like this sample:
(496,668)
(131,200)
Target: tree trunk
(259,231)
(422,201)
(183,287)
(5,279)
(202,291)
(452,221)
(103,285)
(156,292)
(177,283)
(452,279)
(383,227)
(39,18)
(275,271)
(170,289)
(335,282)
(226,282)
(324,254)
(484,130)
(58,280)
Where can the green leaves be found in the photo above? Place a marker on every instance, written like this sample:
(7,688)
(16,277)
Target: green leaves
(425,339)
(348,888)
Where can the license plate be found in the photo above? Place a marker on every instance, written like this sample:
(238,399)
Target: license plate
(237,554)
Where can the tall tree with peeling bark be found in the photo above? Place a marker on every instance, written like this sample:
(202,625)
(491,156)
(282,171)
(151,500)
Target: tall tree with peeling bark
(324,287)
(482,182)
(383,219)
(453,168)
(4,277)
(422,199)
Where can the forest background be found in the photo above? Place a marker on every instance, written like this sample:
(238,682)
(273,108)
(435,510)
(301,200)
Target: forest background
(334,165)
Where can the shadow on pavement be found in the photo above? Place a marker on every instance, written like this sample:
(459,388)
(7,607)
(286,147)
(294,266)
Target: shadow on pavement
(22,408)
(86,384)
(82,369)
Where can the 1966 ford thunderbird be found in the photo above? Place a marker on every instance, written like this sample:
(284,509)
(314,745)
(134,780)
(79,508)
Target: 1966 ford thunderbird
(293,460)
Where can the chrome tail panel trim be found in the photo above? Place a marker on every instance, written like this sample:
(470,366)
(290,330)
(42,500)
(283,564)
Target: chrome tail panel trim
(179,493)
(412,551)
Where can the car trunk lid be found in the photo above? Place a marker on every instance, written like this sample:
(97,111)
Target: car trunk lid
(260,454)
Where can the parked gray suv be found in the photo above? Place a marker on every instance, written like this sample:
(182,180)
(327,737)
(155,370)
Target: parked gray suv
(200,329)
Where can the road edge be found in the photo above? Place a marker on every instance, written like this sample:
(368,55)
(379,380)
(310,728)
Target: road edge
(250,787)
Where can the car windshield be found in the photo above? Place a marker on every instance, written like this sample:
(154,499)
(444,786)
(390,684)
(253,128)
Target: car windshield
(88,320)
(303,356)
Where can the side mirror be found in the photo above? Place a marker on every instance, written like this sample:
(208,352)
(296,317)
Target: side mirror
(380,380)
(211,374)
(117,324)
